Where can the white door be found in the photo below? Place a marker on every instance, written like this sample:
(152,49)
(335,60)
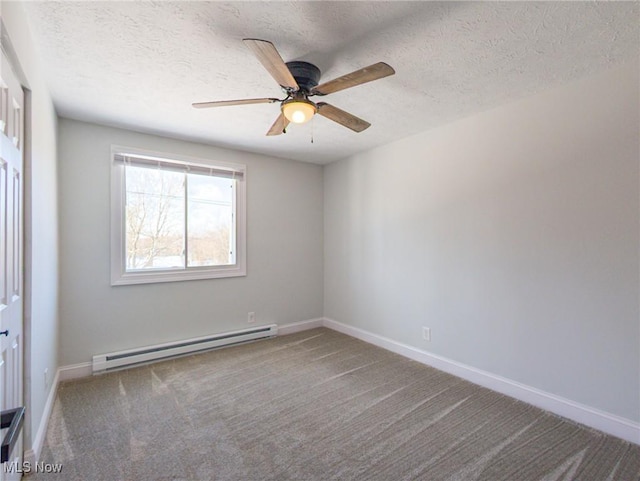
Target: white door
(11,231)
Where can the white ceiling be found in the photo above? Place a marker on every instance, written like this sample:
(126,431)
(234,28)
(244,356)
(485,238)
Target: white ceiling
(140,65)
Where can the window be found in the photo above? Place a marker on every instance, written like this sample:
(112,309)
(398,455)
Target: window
(175,218)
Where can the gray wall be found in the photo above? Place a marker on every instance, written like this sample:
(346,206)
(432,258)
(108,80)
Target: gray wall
(41,226)
(512,234)
(284,251)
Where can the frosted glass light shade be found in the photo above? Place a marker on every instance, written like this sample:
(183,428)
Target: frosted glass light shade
(298,111)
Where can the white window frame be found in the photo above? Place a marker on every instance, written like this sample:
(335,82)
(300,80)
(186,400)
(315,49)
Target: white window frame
(119,274)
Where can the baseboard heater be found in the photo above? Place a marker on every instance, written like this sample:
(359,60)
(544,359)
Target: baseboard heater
(106,362)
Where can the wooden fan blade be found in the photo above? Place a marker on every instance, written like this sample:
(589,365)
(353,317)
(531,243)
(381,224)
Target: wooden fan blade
(279,125)
(372,72)
(343,118)
(224,103)
(271,60)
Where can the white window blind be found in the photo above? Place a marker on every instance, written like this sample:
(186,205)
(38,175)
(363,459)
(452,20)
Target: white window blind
(138,160)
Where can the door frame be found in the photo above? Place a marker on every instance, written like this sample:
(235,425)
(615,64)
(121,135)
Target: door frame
(27,236)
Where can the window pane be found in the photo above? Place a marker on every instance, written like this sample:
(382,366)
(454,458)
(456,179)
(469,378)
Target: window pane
(210,217)
(154,218)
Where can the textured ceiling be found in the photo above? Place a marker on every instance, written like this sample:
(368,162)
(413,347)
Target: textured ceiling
(140,65)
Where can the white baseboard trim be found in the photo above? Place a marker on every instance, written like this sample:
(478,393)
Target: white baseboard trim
(300,326)
(33,455)
(75,371)
(63,373)
(594,418)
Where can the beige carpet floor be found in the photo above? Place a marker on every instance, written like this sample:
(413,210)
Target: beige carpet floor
(316,405)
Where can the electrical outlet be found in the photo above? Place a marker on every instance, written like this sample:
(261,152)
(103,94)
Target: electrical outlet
(426,333)
(46,378)
(251,318)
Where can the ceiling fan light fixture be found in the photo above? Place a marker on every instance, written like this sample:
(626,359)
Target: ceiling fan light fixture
(299,111)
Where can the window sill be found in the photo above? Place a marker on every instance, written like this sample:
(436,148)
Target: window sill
(157,276)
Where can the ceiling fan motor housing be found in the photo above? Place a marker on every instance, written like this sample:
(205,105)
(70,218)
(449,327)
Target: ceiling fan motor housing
(306,74)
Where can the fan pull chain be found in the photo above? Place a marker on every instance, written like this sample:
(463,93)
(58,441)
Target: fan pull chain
(313,121)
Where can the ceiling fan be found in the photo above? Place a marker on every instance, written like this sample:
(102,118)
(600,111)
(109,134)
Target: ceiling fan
(299,81)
